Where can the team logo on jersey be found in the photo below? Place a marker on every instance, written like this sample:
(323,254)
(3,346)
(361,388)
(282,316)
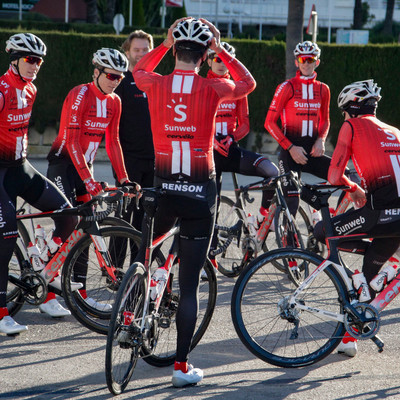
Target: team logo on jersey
(230,106)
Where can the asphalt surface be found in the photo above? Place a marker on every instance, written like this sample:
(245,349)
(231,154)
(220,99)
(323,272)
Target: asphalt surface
(59,359)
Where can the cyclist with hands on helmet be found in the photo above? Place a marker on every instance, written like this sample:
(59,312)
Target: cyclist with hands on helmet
(182,108)
(302,105)
(379,193)
(90,112)
(18,178)
(232,125)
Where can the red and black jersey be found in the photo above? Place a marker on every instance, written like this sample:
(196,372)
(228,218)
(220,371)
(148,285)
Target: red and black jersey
(232,116)
(182,107)
(302,104)
(375,150)
(87,115)
(16,109)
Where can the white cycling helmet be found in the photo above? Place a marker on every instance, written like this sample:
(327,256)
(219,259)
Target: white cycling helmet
(193,30)
(307,48)
(358,92)
(27,43)
(230,49)
(110,58)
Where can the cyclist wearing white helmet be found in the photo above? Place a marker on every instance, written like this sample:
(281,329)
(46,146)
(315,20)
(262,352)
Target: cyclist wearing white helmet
(90,112)
(302,105)
(182,109)
(374,147)
(232,125)
(18,178)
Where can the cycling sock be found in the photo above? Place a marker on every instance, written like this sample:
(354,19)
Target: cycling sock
(182,366)
(3,312)
(83,293)
(348,338)
(50,296)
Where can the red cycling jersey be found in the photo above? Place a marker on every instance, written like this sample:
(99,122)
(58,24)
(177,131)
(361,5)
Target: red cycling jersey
(16,101)
(232,116)
(87,115)
(182,107)
(356,139)
(302,104)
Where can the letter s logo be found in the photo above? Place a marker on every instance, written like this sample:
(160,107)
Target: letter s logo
(179,110)
(389,135)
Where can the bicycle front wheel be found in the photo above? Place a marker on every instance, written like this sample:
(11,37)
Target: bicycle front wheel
(164,351)
(124,339)
(276,333)
(92,307)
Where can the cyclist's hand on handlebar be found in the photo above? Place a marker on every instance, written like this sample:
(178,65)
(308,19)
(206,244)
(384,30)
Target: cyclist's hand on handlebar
(135,188)
(93,187)
(298,154)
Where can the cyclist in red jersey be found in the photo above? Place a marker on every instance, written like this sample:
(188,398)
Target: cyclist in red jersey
(302,105)
(182,107)
(90,112)
(374,147)
(232,125)
(17,176)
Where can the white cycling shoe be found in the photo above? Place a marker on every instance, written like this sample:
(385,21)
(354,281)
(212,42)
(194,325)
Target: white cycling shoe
(56,283)
(349,349)
(11,327)
(193,376)
(54,309)
(98,306)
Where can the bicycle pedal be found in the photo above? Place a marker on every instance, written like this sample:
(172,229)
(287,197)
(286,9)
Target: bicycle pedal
(164,323)
(379,343)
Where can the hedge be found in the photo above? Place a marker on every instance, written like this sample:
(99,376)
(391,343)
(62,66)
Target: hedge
(68,64)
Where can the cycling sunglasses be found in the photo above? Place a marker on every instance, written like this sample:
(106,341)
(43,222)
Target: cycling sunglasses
(216,59)
(33,60)
(307,59)
(113,77)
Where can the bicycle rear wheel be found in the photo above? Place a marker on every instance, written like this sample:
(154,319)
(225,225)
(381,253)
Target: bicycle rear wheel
(230,261)
(276,333)
(15,296)
(82,265)
(164,351)
(124,339)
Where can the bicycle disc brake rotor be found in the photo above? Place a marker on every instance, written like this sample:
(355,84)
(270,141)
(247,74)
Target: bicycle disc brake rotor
(360,330)
(37,292)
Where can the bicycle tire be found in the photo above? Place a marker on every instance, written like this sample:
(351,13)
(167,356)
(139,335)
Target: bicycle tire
(258,312)
(230,261)
(306,229)
(122,352)
(23,233)
(165,349)
(15,296)
(98,285)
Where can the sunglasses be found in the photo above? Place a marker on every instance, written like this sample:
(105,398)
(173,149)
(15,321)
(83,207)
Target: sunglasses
(33,60)
(113,77)
(217,60)
(308,60)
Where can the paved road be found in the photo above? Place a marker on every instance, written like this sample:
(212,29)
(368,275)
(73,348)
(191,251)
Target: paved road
(60,360)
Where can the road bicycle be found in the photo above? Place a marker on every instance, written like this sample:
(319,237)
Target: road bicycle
(142,327)
(89,250)
(235,251)
(295,324)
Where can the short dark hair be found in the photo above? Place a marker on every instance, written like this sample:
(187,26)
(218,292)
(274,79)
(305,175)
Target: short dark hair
(138,34)
(189,52)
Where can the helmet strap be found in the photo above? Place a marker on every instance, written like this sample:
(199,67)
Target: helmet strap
(98,83)
(16,67)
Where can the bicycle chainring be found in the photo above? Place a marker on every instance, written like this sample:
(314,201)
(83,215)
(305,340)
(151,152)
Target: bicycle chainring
(363,330)
(37,292)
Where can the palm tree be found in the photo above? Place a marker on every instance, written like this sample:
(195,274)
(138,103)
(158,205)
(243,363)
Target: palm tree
(388,23)
(357,16)
(92,12)
(294,33)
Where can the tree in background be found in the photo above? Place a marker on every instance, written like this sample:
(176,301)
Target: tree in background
(388,23)
(294,33)
(92,12)
(357,15)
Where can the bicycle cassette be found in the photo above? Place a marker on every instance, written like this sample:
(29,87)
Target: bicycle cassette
(359,329)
